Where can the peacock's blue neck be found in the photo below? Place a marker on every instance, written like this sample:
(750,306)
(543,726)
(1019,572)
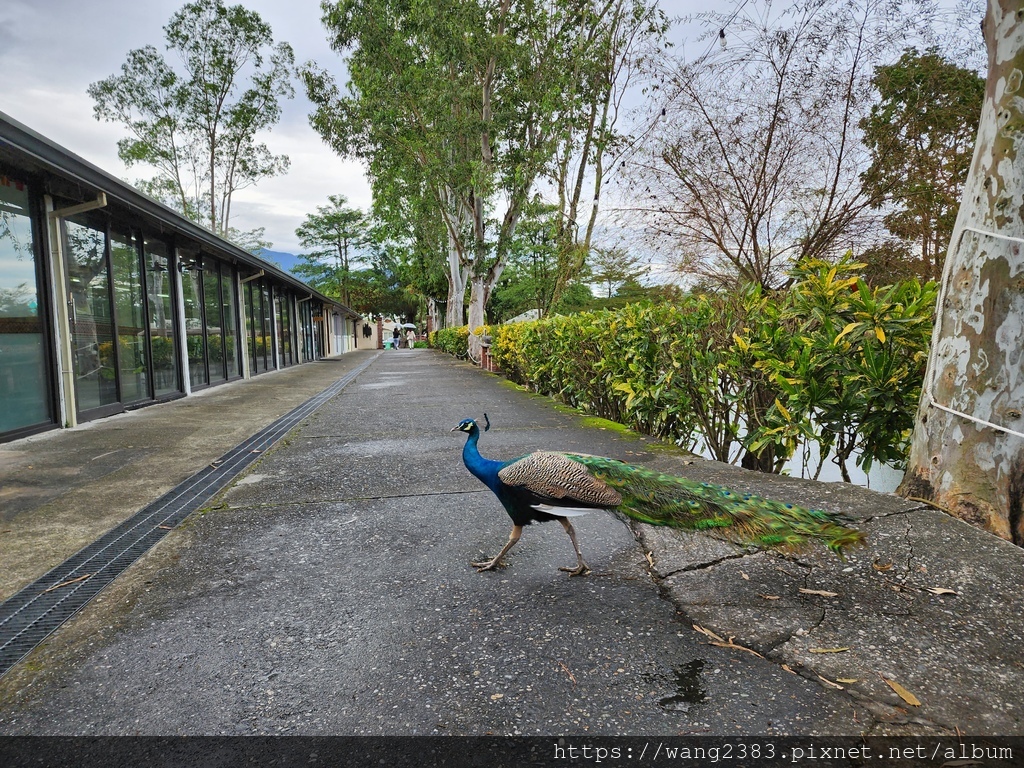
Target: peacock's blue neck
(486,470)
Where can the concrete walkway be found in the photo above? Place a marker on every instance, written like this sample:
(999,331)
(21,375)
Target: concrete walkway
(328,590)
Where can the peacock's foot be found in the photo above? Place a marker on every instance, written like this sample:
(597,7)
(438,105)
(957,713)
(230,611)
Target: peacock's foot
(580,570)
(486,565)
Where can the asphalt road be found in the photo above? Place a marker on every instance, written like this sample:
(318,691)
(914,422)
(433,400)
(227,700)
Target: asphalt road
(330,592)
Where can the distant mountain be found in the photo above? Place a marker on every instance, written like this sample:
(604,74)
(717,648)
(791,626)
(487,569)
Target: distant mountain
(285,261)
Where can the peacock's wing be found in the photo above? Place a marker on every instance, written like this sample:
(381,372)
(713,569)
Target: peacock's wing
(557,480)
(659,499)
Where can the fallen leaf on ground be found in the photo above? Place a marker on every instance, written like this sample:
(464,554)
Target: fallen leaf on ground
(745,577)
(827,650)
(829,683)
(902,692)
(769,597)
(707,632)
(940,590)
(734,646)
(821,592)
(847,680)
(881,567)
(66,583)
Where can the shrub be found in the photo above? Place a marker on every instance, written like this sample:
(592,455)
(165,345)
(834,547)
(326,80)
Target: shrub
(749,374)
(454,341)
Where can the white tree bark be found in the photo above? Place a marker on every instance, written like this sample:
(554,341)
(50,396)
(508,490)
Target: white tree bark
(967,454)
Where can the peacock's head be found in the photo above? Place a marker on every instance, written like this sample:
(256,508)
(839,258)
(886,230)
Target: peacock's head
(470,427)
(466,425)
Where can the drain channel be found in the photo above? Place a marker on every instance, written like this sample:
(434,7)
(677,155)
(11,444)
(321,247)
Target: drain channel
(32,614)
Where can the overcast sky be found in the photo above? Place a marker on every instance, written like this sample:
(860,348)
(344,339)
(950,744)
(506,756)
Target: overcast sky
(51,51)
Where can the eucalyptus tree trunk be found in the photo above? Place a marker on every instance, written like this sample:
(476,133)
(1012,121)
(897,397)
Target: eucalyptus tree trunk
(457,278)
(967,454)
(455,220)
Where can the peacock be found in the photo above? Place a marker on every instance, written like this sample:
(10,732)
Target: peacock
(545,485)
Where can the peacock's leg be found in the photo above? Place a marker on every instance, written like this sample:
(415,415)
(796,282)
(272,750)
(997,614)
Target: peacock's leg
(489,565)
(581,569)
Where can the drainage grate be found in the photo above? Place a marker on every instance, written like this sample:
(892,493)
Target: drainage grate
(29,616)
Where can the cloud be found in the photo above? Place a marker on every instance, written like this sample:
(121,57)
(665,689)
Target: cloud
(50,53)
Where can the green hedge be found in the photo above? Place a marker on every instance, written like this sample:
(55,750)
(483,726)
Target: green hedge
(454,341)
(830,359)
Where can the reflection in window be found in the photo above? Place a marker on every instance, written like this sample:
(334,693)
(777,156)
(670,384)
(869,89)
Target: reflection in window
(230,312)
(284,330)
(92,332)
(192,296)
(214,323)
(130,317)
(252,313)
(162,339)
(266,339)
(24,392)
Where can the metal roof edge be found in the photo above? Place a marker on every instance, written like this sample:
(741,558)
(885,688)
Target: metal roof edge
(62,162)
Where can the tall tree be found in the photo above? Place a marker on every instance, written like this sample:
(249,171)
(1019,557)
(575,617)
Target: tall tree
(753,162)
(333,237)
(921,136)
(613,267)
(465,101)
(967,453)
(198,128)
(617,40)
(450,93)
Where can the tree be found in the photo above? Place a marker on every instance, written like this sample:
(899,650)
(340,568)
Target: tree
(752,165)
(616,40)
(333,237)
(198,129)
(252,240)
(528,281)
(967,451)
(614,267)
(464,102)
(921,135)
(440,98)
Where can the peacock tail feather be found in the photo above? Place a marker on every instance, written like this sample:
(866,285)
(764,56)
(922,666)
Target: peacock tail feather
(655,498)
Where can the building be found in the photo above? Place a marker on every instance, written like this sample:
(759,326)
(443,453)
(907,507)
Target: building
(110,300)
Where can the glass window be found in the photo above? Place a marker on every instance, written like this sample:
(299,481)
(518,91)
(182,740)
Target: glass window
(230,314)
(162,339)
(284,329)
(267,336)
(92,331)
(303,330)
(129,315)
(24,389)
(250,336)
(192,297)
(214,322)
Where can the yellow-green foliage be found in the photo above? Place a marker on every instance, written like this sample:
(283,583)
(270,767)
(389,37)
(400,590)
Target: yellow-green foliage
(830,359)
(454,341)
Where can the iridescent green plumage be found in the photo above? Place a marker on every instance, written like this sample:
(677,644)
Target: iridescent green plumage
(659,499)
(545,485)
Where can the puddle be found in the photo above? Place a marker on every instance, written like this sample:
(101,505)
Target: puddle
(689,689)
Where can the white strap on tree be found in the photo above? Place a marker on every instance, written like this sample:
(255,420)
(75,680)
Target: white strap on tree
(941,301)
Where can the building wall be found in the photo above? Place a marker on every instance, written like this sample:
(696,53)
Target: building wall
(103,309)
